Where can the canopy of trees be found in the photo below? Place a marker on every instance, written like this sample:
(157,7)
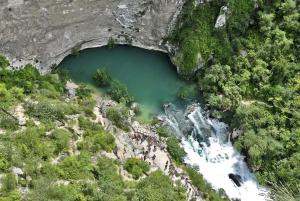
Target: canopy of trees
(250,78)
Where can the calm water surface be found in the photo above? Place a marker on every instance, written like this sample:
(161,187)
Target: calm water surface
(149,75)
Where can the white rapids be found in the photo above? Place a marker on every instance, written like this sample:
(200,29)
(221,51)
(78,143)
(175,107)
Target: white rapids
(210,151)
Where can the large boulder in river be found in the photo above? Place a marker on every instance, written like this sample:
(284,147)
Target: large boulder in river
(237,179)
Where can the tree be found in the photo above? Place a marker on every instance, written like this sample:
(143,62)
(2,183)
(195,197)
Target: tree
(119,93)
(136,167)
(154,188)
(3,62)
(102,78)
(175,150)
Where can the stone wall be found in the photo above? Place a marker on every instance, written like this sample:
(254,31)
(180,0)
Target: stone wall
(43,32)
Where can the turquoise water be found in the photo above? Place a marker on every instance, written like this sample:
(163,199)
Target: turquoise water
(149,75)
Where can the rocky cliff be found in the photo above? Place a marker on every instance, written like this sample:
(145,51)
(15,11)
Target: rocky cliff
(43,32)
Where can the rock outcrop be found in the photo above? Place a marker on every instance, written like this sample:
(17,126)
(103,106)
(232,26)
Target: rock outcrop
(44,32)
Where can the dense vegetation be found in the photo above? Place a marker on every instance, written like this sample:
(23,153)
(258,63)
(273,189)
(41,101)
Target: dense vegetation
(249,77)
(114,88)
(136,167)
(55,154)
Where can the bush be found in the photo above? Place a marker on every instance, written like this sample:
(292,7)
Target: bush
(102,78)
(175,150)
(45,111)
(163,132)
(158,186)
(111,43)
(61,139)
(76,167)
(9,183)
(86,125)
(187,93)
(3,62)
(119,93)
(119,117)
(8,123)
(199,182)
(136,167)
(84,91)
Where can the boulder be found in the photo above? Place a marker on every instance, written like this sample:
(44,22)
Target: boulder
(237,179)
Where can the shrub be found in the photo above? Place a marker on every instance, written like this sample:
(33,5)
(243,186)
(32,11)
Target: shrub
(45,111)
(61,140)
(3,62)
(187,93)
(119,93)
(9,183)
(119,117)
(83,91)
(199,182)
(75,50)
(111,43)
(76,167)
(85,124)
(103,141)
(175,150)
(158,186)
(102,78)
(163,132)
(8,123)
(136,167)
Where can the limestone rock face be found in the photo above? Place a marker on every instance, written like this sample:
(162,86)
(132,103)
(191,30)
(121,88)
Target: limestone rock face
(43,32)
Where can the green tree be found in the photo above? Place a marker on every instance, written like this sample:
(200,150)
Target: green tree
(119,93)
(175,150)
(102,78)
(155,186)
(136,167)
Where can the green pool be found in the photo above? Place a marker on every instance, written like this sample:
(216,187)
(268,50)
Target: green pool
(149,75)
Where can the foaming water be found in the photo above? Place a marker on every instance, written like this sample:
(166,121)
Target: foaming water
(212,154)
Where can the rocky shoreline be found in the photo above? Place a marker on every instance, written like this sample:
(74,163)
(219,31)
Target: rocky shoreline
(143,142)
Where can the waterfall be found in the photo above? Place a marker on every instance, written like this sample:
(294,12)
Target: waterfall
(210,151)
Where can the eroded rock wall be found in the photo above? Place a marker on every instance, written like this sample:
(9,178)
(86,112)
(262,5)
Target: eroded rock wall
(43,32)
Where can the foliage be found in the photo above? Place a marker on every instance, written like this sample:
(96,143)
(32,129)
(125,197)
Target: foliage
(163,132)
(250,79)
(136,167)
(61,139)
(8,123)
(111,43)
(3,62)
(119,116)
(76,167)
(158,186)
(119,93)
(102,78)
(194,34)
(75,50)
(187,93)
(45,111)
(175,150)
(83,91)
(199,182)
(9,183)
